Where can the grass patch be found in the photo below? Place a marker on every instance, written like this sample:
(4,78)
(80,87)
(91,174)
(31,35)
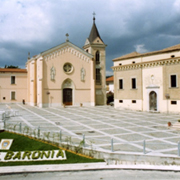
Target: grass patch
(23,143)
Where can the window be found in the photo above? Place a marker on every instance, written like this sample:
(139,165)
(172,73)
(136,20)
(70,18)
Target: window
(12,79)
(120,83)
(174,102)
(133,101)
(97,58)
(133,81)
(98,76)
(120,101)
(68,68)
(133,62)
(13,97)
(173,80)
(120,64)
(172,56)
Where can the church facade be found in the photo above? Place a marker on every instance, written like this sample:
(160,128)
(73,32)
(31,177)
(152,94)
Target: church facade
(64,75)
(149,81)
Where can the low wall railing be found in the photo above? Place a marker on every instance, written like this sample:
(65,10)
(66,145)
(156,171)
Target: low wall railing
(79,140)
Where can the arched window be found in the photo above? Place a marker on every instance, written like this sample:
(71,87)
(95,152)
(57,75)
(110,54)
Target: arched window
(97,57)
(98,76)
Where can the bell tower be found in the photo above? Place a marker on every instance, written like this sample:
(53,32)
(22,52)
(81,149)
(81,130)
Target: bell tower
(95,46)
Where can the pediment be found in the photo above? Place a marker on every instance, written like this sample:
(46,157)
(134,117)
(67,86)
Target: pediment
(66,48)
(98,41)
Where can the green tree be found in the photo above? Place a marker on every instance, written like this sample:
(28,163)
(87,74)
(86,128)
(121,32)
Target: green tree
(11,66)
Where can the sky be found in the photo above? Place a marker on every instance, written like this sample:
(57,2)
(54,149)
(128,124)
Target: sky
(124,25)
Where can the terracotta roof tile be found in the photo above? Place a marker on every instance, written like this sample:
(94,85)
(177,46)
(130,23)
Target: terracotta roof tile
(135,54)
(110,79)
(13,70)
(172,47)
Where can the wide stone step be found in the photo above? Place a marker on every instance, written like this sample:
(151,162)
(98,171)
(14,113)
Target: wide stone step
(175,126)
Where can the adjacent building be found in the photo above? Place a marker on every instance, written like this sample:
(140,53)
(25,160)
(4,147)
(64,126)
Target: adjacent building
(13,85)
(110,84)
(149,81)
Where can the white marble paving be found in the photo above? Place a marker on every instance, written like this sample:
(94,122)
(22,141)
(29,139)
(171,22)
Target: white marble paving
(102,123)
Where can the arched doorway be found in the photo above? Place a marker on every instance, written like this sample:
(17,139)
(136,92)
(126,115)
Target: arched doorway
(67,96)
(68,92)
(152,101)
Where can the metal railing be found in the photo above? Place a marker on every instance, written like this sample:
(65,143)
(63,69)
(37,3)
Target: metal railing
(81,141)
(45,134)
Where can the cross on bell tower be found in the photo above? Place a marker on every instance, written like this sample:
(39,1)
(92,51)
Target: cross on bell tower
(94,14)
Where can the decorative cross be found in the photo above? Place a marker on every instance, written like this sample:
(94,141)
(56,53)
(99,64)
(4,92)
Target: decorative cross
(67,35)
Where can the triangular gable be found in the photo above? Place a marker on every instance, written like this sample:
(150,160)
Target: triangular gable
(66,47)
(98,41)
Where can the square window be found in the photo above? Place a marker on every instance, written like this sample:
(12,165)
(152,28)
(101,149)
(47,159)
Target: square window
(13,79)
(120,101)
(133,81)
(120,83)
(174,102)
(173,80)
(133,101)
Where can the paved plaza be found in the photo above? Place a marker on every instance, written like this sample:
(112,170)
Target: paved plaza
(97,175)
(101,124)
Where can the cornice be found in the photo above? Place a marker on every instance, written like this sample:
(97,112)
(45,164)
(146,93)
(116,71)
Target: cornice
(147,64)
(94,45)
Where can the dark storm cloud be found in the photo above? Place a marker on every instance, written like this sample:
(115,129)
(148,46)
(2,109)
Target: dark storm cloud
(125,26)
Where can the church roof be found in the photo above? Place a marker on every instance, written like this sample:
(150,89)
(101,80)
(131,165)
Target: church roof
(136,54)
(94,32)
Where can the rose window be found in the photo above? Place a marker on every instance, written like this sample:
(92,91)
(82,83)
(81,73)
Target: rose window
(68,68)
